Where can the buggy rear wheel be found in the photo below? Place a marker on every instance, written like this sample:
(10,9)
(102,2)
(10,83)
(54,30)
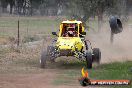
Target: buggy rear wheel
(96,55)
(89,60)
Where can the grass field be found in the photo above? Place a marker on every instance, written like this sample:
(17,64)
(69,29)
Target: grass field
(105,71)
(23,62)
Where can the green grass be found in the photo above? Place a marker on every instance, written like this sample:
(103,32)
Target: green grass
(117,70)
(34,25)
(28,26)
(113,71)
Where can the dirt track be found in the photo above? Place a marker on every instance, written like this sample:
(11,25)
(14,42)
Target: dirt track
(42,80)
(26,81)
(31,81)
(47,79)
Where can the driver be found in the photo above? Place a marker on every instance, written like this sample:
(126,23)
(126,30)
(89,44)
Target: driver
(70,32)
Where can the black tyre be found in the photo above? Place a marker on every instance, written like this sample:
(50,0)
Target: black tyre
(89,60)
(51,52)
(96,55)
(43,59)
(115,24)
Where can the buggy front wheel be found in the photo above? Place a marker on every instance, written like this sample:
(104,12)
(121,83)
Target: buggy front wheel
(96,55)
(89,60)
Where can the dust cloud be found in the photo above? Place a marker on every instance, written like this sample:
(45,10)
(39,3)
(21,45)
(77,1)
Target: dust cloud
(120,50)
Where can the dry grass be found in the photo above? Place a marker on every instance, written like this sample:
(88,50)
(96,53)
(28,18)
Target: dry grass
(19,60)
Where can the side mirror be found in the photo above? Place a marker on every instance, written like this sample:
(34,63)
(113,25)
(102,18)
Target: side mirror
(54,33)
(83,33)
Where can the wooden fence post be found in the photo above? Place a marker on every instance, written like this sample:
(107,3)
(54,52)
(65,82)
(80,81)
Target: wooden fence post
(18,35)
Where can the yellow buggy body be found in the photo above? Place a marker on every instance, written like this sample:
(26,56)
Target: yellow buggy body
(70,41)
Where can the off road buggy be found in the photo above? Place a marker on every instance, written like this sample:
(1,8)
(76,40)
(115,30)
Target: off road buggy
(70,41)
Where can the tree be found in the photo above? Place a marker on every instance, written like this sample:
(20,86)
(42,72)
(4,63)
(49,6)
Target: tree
(84,9)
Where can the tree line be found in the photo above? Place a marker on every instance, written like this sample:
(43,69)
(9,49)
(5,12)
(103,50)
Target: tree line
(79,9)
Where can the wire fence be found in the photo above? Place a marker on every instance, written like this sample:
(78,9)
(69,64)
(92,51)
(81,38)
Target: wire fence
(30,28)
